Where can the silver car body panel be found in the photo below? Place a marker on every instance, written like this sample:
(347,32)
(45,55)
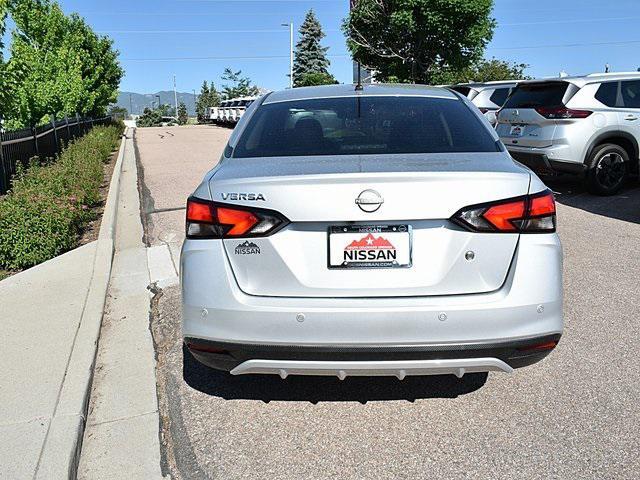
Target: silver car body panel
(215,308)
(415,188)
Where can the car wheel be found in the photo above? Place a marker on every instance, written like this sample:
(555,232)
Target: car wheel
(606,169)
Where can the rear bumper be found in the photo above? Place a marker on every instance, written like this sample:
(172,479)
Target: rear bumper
(395,360)
(541,162)
(217,313)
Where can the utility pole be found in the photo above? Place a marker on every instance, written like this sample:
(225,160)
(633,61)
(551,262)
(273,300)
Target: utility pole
(130,105)
(195,102)
(175,95)
(290,25)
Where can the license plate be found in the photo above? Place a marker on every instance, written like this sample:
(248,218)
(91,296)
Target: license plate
(373,246)
(516,130)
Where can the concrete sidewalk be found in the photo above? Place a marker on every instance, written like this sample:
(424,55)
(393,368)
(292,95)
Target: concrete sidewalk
(50,321)
(122,435)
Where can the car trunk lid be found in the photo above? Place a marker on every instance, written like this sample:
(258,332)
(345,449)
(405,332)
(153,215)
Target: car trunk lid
(418,191)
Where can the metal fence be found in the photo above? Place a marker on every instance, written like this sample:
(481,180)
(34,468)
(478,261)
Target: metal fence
(19,146)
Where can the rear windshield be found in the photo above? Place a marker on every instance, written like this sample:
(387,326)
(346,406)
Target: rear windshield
(499,95)
(533,95)
(363,125)
(463,90)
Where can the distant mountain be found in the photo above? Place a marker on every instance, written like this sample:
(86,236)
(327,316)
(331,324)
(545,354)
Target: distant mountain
(136,102)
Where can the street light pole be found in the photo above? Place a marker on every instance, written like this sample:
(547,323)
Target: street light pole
(290,25)
(175,95)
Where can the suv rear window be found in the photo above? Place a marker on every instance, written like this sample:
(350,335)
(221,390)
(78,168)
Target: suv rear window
(363,125)
(533,95)
(499,95)
(463,90)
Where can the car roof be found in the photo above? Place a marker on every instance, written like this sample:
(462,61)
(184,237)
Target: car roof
(582,80)
(348,90)
(485,85)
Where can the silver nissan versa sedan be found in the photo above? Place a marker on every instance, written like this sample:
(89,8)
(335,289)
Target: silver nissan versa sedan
(381,230)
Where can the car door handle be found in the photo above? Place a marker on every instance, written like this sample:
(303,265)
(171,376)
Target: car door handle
(630,117)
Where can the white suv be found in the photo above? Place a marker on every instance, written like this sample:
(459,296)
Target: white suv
(584,125)
(488,96)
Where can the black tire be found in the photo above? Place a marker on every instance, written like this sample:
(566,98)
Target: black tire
(607,169)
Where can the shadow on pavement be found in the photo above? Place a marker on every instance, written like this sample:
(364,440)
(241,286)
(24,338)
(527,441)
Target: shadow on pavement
(623,206)
(313,389)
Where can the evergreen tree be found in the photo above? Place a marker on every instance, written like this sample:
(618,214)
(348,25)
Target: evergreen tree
(203,99)
(183,116)
(310,55)
(240,86)
(209,97)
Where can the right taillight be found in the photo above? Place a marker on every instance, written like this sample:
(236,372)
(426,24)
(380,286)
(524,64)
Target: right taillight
(528,214)
(206,219)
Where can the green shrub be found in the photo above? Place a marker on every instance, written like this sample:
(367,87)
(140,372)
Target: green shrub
(150,118)
(50,204)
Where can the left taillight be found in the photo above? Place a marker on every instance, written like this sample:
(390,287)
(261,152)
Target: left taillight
(562,112)
(206,219)
(528,214)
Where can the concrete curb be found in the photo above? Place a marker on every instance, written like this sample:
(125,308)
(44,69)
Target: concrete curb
(61,451)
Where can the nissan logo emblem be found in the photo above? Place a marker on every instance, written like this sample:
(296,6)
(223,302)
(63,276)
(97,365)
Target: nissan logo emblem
(369,201)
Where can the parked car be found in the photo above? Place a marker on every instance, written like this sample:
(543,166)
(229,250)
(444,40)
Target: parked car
(488,97)
(376,232)
(243,104)
(581,125)
(223,116)
(211,114)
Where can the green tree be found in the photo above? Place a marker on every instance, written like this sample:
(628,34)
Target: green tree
(57,65)
(150,118)
(101,70)
(166,110)
(3,89)
(311,79)
(413,40)
(240,86)
(119,112)
(209,97)
(310,55)
(183,116)
(484,71)
(201,102)
(44,74)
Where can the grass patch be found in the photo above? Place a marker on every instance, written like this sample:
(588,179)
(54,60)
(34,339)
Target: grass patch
(50,203)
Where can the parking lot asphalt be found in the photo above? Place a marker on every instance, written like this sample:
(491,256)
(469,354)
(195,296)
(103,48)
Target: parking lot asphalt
(574,415)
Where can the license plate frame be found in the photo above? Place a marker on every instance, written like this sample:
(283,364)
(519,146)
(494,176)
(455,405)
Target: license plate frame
(517,130)
(402,233)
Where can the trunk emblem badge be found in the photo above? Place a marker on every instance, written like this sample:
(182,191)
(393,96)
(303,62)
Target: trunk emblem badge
(369,201)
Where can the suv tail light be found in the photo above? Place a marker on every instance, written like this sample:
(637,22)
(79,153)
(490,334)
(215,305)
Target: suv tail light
(562,112)
(206,219)
(528,214)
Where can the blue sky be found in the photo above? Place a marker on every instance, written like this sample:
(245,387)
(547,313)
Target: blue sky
(156,36)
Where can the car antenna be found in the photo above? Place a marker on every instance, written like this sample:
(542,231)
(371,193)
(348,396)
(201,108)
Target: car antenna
(359,86)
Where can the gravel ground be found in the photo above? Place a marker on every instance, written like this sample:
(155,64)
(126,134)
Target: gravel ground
(574,415)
